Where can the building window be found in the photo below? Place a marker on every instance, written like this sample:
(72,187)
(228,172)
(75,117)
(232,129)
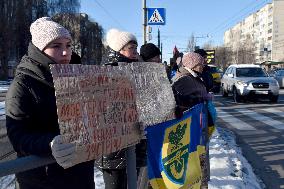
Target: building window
(270,31)
(269,38)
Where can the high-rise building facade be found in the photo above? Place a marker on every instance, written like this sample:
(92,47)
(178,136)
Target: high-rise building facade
(262,31)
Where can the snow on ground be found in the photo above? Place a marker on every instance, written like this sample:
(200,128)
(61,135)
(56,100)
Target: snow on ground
(4,85)
(2,110)
(229,169)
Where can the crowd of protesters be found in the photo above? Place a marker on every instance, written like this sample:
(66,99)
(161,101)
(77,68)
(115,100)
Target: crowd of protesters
(34,130)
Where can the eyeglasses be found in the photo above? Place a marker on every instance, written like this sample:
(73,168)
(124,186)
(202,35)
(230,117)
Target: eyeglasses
(130,47)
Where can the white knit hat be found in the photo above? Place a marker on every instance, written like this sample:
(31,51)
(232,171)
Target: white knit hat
(44,31)
(117,39)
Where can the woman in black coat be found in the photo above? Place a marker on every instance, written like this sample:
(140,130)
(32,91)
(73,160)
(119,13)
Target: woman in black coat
(188,86)
(31,113)
(189,90)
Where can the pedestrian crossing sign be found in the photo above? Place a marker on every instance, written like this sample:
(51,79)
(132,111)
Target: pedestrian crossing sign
(156,16)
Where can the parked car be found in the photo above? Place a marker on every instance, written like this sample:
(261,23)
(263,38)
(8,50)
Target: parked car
(279,76)
(246,81)
(216,74)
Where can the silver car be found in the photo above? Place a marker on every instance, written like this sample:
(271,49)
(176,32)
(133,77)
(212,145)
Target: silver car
(279,76)
(249,81)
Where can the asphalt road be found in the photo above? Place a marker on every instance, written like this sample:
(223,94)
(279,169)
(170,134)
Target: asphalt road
(259,127)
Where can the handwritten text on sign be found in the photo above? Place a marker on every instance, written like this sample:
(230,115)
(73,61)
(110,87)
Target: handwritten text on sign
(99,106)
(96,109)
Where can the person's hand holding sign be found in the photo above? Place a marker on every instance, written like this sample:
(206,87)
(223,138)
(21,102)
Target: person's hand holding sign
(62,151)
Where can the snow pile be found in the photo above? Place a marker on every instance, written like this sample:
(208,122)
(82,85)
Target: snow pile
(229,169)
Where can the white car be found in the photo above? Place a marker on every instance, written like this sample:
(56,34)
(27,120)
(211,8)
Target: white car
(279,76)
(249,81)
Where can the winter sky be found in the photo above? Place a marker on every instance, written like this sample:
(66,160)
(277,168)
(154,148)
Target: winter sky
(206,19)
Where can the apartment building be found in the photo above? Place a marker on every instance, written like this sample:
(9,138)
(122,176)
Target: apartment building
(262,31)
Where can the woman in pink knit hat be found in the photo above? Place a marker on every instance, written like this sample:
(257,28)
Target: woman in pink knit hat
(188,86)
(189,90)
(31,113)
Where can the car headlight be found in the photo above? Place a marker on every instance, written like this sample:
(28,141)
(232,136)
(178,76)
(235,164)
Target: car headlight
(242,83)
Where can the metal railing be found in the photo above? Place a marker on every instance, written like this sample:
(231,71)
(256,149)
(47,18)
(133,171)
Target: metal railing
(32,161)
(23,164)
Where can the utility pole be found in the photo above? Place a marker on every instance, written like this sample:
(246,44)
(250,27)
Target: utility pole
(144,21)
(159,44)
(161,51)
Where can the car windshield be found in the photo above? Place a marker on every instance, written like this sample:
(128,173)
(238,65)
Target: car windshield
(250,72)
(213,69)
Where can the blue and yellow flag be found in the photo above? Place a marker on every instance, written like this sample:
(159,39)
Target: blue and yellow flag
(174,150)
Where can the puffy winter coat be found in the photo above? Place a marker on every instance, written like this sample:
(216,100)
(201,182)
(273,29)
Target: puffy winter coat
(32,123)
(188,88)
(207,78)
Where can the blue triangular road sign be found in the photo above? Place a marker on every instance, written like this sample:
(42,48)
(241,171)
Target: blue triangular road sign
(156,16)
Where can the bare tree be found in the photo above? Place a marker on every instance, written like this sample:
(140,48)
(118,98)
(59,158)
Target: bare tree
(86,35)
(191,43)
(15,18)
(63,6)
(244,51)
(208,45)
(223,57)
(249,46)
(91,41)
(6,16)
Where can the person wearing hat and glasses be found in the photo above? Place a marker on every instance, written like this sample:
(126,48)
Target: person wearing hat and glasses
(189,89)
(122,48)
(188,86)
(31,113)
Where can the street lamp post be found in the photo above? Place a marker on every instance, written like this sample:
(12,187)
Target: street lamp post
(144,21)
(200,37)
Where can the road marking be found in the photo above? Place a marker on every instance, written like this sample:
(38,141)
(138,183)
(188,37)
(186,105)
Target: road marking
(274,111)
(234,122)
(271,147)
(264,119)
(279,169)
(274,157)
(270,152)
(2,110)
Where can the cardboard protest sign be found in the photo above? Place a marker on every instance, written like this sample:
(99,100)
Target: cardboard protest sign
(154,97)
(100,106)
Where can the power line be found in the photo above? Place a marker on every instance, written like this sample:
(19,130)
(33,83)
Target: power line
(225,24)
(105,10)
(240,18)
(229,19)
